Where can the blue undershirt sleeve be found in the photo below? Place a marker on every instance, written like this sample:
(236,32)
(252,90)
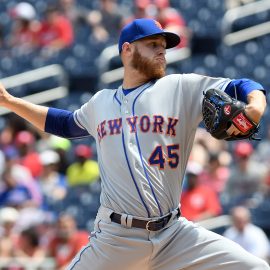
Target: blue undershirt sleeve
(61,123)
(240,88)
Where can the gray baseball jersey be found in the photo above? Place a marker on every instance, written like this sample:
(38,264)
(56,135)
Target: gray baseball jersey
(144,140)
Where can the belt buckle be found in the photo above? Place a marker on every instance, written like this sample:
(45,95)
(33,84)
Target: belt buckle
(148,224)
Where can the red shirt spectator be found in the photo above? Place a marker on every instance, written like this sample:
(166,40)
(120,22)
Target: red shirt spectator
(64,252)
(25,36)
(29,158)
(56,30)
(24,31)
(67,242)
(32,162)
(198,202)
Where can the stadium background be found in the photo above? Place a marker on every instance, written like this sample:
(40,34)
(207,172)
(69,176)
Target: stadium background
(220,43)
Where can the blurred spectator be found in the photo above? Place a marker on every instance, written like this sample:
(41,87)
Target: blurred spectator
(56,30)
(73,12)
(112,18)
(25,143)
(246,177)
(57,144)
(8,235)
(42,143)
(62,147)
(249,236)
(199,153)
(13,125)
(214,175)
(198,202)
(31,217)
(171,20)
(13,193)
(6,137)
(52,183)
(142,9)
(106,22)
(67,242)
(84,170)
(204,144)
(46,229)
(24,32)
(29,246)
(21,174)
(211,144)
(99,33)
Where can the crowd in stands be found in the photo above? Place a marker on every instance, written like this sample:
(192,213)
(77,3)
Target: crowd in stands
(230,179)
(56,27)
(49,187)
(34,195)
(72,33)
(249,236)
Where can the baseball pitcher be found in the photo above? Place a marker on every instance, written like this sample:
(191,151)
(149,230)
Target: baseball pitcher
(144,132)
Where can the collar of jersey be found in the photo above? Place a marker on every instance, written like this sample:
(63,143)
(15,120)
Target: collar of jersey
(129,90)
(119,94)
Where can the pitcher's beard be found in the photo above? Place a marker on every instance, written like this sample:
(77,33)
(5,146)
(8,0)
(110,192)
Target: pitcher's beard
(146,67)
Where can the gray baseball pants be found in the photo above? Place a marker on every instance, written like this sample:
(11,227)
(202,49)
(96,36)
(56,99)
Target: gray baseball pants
(180,245)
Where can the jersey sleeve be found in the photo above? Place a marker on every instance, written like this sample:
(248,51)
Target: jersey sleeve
(61,123)
(240,88)
(193,87)
(85,117)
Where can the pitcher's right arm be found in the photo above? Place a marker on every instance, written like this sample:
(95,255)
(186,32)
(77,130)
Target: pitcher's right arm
(54,121)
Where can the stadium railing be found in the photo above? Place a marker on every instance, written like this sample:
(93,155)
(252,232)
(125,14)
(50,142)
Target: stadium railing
(36,75)
(232,15)
(215,223)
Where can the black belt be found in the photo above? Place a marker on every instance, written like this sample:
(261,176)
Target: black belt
(149,225)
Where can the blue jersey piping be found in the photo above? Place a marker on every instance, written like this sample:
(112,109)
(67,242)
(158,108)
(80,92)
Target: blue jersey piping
(140,152)
(129,167)
(132,176)
(89,245)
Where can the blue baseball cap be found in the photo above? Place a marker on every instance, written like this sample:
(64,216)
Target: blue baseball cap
(142,28)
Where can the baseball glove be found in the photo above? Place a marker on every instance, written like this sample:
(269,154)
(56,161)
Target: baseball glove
(220,111)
